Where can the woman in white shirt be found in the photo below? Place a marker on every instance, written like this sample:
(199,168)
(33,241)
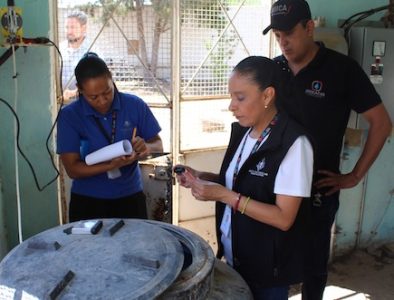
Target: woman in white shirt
(266,173)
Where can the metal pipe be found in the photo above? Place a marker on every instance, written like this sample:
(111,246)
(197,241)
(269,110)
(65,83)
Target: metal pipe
(362,211)
(204,98)
(17,185)
(176,79)
(199,150)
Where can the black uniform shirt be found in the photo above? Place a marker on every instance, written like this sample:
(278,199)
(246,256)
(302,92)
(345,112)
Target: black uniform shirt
(320,98)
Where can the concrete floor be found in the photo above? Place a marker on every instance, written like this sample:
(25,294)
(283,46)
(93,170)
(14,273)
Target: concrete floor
(360,275)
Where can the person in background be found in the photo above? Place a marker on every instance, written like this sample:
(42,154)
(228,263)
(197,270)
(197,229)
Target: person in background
(101,116)
(323,86)
(266,173)
(72,49)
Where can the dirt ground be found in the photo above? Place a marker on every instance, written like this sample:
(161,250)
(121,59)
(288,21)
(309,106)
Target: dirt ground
(362,274)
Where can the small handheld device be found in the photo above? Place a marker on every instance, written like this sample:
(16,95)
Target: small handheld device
(179,170)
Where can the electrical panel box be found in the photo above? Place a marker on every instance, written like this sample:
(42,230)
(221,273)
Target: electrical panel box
(5,20)
(373,49)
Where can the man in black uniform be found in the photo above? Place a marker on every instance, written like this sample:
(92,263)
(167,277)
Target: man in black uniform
(322,87)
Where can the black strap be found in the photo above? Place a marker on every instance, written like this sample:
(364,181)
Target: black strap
(110,139)
(102,129)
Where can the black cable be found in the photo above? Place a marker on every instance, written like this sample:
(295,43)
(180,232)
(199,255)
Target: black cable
(7,54)
(347,24)
(348,27)
(60,108)
(20,150)
(41,40)
(371,11)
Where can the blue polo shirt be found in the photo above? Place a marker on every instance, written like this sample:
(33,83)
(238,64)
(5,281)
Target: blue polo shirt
(78,132)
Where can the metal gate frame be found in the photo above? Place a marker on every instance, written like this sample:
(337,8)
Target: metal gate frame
(178,93)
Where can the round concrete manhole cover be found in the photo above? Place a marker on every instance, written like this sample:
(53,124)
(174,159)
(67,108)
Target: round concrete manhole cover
(126,259)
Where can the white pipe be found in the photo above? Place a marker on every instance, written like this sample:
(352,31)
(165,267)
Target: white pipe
(175,115)
(18,199)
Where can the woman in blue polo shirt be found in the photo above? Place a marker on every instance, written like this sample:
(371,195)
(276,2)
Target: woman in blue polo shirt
(101,116)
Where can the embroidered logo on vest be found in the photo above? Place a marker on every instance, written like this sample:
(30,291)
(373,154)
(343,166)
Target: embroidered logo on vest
(259,167)
(126,124)
(316,90)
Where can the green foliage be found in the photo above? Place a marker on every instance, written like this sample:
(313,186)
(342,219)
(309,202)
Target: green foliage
(247,2)
(206,14)
(215,18)
(222,53)
(162,8)
(208,11)
(122,7)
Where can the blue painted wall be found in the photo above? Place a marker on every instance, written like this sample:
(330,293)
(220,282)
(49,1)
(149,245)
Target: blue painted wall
(34,104)
(3,244)
(365,218)
(335,10)
(378,213)
(351,200)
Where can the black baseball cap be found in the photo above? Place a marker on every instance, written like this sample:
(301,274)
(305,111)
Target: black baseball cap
(285,14)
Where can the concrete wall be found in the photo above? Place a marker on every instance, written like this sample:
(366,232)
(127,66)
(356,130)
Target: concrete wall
(34,108)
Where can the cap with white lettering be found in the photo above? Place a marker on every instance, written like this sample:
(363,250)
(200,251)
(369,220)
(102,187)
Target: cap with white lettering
(285,14)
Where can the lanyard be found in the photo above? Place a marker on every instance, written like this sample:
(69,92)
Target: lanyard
(256,146)
(110,139)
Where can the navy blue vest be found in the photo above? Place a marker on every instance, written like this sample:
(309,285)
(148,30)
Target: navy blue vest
(262,254)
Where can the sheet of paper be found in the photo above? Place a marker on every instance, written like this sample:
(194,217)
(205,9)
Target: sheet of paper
(109,152)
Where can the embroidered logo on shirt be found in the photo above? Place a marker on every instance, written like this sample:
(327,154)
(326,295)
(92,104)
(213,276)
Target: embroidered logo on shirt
(316,89)
(127,128)
(259,167)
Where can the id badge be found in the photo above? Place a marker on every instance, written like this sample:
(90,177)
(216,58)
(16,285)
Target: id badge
(225,227)
(114,173)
